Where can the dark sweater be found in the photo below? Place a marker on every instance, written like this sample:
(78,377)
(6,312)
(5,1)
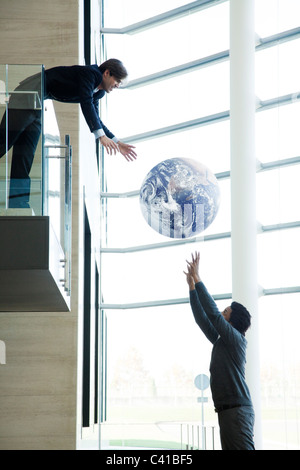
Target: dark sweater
(228,358)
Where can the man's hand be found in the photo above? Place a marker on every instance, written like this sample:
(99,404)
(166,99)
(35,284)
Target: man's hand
(127,151)
(190,279)
(109,144)
(193,267)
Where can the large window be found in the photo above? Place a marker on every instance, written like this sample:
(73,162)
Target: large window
(277,79)
(176,104)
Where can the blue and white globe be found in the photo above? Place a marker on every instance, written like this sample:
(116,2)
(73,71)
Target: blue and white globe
(180,198)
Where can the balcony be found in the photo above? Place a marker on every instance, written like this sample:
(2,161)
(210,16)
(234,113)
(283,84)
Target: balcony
(35,197)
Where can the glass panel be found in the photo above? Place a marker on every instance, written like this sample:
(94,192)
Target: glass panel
(275,16)
(277,133)
(158,274)
(280,371)
(191,37)
(165,435)
(120,13)
(182,98)
(57,178)
(135,395)
(278,191)
(279,258)
(277,71)
(52,168)
(208,144)
(21,106)
(148,384)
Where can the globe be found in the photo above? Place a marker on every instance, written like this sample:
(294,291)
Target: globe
(179,198)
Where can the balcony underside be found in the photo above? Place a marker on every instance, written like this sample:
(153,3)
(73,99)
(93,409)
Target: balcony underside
(31,266)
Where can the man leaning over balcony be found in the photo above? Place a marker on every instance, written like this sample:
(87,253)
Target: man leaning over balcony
(83,84)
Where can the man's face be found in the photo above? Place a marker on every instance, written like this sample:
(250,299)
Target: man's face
(227,313)
(109,82)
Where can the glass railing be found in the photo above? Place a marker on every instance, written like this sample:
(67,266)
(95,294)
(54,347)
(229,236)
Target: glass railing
(21,123)
(35,161)
(57,184)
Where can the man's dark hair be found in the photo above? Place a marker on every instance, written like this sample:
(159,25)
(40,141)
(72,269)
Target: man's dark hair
(240,318)
(115,67)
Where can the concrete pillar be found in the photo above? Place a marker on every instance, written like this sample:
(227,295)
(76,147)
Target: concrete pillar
(243,184)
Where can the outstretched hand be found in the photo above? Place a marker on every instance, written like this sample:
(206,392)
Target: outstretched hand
(109,145)
(189,278)
(193,267)
(127,151)
(112,148)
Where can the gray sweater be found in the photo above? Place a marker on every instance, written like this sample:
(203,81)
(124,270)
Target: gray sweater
(228,358)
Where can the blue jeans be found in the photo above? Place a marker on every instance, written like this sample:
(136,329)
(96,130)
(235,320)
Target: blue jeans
(236,428)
